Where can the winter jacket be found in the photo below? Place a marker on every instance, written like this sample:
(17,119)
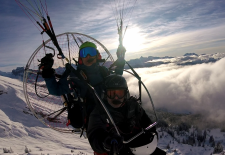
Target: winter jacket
(95,78)
(71,84)
(130,119)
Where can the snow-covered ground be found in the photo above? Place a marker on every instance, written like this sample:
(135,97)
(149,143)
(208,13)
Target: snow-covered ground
(20,132)
(185,149)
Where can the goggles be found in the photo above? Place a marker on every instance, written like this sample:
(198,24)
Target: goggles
(113,93)
(88,50)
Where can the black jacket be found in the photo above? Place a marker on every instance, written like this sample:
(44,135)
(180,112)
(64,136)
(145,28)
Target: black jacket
(130,119)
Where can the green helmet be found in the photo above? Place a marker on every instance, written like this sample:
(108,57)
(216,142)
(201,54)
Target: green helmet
(88,44)
(115,82)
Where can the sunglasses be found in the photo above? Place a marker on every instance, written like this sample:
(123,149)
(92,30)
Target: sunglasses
(113,93)
(88,50)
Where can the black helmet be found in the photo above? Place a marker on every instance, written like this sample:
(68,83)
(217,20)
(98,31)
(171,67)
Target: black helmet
(115,82)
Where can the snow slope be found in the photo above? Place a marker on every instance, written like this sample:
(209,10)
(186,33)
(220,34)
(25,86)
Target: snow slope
(18,129)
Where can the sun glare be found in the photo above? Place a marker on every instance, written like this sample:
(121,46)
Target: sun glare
(133,40)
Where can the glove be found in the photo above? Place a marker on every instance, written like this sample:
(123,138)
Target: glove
(113,143)
(121,51)
(47,61)
(46,66)
(119,63)
(67,71)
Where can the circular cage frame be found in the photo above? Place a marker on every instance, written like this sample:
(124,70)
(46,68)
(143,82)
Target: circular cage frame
(28,79)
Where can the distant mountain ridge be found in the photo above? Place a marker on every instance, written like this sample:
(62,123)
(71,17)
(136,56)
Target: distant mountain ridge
(186,59)
(15,74)
(150,61)
(189,54)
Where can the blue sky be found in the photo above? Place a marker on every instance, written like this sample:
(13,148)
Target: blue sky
(157,28)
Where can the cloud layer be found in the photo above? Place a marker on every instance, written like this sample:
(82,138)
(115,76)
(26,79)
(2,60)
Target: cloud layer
(196,89)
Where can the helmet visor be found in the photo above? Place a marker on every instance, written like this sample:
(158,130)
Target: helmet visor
(88,50)
(113,93)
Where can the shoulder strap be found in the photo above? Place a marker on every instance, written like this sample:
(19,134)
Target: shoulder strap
(83,75)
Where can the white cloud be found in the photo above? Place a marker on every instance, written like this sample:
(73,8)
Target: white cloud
(189,41)
(196,89)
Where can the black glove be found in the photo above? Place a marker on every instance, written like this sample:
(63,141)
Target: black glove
(121,51)
(119,63)
(68,70)
(47,61)
(46,66)
(113,143)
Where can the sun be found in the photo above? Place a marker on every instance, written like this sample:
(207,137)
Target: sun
(133,41)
